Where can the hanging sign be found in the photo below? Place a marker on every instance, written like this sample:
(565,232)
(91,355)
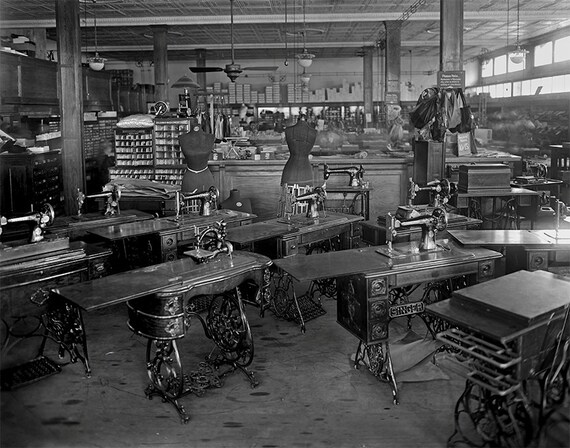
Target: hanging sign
(451,79)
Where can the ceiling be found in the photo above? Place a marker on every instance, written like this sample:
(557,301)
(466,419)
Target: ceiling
(273,29)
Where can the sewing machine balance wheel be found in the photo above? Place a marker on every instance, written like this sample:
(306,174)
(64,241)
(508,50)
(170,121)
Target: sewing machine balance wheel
(48,214)
(440,216)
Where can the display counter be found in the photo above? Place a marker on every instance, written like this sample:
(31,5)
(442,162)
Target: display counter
(387,176)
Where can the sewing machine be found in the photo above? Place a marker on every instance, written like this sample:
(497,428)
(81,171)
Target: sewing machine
(208,200)
(111,205)
(430,225)
(41,219)
(210,243)
(356,174)
(314,198)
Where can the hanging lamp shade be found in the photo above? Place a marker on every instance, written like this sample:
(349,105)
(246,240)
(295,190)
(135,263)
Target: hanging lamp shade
(185,82)
(305,59)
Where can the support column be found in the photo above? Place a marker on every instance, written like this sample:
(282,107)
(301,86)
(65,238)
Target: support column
(70,100)
(368,81)
(160,63)
(393,62)
(451,35)
(201,62)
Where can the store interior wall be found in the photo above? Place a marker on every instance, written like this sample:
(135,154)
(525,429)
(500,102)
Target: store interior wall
(326,73)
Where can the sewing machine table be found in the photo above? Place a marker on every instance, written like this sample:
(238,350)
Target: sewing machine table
(372,289)
(159,299)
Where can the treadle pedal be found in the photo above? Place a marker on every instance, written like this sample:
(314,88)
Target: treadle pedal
(309,309)
(28,372)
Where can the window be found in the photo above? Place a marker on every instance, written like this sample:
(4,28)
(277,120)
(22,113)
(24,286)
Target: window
(512,67)
(500,65)
(543,54)
(487,68)
(562,49)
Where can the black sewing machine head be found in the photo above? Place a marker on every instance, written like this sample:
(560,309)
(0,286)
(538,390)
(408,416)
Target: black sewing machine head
(441,191)
(111,204)
(40,220)
(314,198)
(356,174)
(210,243)
(430,223)
(208,198)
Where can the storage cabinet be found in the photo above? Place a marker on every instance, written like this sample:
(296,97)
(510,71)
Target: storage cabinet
(27,181)
(134,154)
(151,153)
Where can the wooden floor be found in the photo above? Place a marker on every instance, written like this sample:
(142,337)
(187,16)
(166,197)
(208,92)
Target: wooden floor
(309,395)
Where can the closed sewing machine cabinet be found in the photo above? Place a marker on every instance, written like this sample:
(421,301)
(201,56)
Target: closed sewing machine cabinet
(488,177)
(363,306)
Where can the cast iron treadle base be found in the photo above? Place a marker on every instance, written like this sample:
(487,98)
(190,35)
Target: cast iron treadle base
(309,309)
(29,372)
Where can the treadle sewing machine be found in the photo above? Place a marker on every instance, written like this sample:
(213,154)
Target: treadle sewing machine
(356,174)
(419,216)
(314,198)
(111,204)
(511,342)
(208,200)
(373,289)
(26,266)
(161,301)
(353,198)
(40,220)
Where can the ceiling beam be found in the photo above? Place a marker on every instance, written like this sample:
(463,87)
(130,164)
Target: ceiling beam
(279,18)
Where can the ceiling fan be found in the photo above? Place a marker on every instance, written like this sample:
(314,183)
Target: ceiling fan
(233,70)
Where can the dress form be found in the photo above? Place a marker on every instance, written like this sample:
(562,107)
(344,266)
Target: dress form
(300,140)
(196,146)
(236,202)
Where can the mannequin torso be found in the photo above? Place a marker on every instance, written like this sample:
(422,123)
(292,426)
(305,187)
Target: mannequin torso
(197,146)
(300,140)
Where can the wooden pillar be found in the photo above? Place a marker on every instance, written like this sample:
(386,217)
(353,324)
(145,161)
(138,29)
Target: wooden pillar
(160,63)
(393,62)
(451,35)
(70,100)
(201,62)
(368,81)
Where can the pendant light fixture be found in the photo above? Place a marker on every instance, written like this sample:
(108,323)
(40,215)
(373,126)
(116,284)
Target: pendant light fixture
(305,59)
(96,62)
(518,55)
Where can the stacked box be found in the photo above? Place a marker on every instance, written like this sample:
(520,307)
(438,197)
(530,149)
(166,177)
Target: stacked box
(254,97)
(247,93)
(239,93)
(269,94)
(217,87)
(232,92)
(276,92)
(261,98)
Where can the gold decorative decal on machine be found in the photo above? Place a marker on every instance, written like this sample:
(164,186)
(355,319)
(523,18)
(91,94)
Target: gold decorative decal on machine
(173,328)
(378,309)
(407,308)
(172,306)
(486,269)
(379,331)
(378,287)
(537,261)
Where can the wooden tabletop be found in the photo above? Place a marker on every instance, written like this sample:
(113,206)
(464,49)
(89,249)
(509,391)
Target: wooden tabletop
(278,227)
(499,193)
(140,228)
(368,261)
(505,307)
(183,273)
(535,238)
